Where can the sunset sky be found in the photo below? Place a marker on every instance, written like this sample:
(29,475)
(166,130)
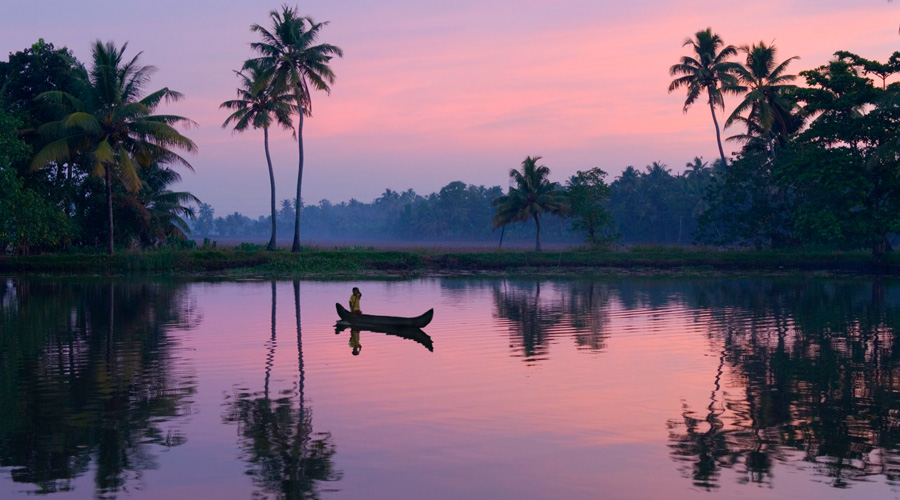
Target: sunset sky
(432,92)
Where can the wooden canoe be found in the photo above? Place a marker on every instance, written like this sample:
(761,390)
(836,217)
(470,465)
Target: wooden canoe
(395,321)
(404,332)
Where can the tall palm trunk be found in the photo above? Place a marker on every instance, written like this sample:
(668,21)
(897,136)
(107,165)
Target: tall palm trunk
(271,245)
(712,109)
(537,239)
(296,246)
(109,213)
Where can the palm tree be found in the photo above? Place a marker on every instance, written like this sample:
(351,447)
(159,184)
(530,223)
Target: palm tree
(297,63)
(706,69)
(260,105)
(166,210)
(658,171)
(697,168)
(532,196)
(109,122)
(765,84)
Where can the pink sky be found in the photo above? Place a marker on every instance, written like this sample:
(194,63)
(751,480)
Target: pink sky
(430,93)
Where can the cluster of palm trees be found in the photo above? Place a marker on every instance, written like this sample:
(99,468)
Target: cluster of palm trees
(108,126)
(708,72)
(277,84)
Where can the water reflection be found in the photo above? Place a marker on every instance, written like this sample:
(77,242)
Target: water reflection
(285,457)
(798,380)
(537,311)
(408,332)
(816,375)
(88,375)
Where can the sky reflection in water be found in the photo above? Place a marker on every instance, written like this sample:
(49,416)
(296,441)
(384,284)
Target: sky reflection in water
(620,388)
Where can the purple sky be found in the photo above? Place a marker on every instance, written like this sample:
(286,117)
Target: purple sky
(427,94)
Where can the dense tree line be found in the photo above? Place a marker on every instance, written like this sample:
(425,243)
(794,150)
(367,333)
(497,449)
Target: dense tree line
(82,152)
(834,182)
(819,165)
(652,205)
(456,212)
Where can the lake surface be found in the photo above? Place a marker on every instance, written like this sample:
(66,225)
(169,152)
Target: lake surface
(620,388)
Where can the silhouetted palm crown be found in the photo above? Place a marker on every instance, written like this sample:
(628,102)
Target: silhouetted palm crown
(259,104)
(765,84)
(706,69)
(532,195)
(290,52)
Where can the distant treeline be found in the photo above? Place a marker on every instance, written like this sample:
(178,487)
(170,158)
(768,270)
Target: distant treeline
(647,206)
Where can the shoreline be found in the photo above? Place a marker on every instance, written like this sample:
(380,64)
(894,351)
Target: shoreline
(354,263)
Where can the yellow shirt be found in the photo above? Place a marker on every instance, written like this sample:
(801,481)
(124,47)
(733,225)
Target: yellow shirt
(354,303)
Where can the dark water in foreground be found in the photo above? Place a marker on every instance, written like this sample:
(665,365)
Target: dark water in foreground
(632,388)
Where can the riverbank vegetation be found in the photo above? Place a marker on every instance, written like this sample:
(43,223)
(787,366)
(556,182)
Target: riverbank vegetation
(253,260)
(82,152)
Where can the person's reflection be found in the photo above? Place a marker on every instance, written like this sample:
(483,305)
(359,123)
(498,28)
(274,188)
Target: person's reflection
(354,342)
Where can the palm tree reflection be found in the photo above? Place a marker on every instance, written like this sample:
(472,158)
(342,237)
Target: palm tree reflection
(90,374)
(533,319)
(286,459)
(817,375)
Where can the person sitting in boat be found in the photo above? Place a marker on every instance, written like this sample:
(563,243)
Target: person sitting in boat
(354,301)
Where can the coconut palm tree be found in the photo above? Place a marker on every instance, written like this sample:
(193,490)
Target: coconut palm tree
(166,210)
(706,69)
(696,168)
(110,121)
(297,63)
(766,99)
(532,196)
(260,104)
(658,171)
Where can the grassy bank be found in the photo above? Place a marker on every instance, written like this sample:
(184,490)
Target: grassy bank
(355,262)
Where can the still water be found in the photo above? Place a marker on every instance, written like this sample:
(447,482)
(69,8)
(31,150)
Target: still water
(634,388)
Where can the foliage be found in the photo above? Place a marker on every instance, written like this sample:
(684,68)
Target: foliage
(33,71)
(532,196)
(28,222)
(260,104)
(589,195)
(771,111)
(84,122)
(708,70)
(296,62)
(12,149)
(655,206)
(109,123)
(834,184)
(155,216)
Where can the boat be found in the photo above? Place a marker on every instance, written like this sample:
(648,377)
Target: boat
(405,332)
(394,321)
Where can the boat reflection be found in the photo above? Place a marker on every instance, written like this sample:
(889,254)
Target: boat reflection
(90,380)
(404,332)
(285,457)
